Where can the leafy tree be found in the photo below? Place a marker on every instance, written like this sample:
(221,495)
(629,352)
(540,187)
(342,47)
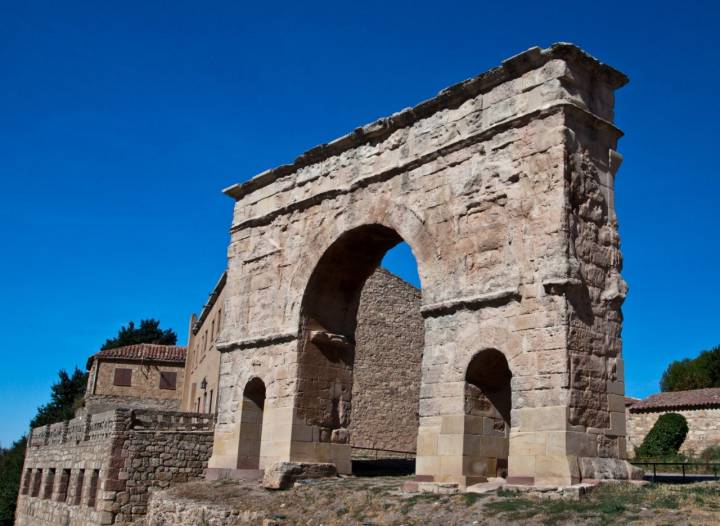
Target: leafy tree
(665,437)
(65,396)
(149,331)
(11,463)
(693,373)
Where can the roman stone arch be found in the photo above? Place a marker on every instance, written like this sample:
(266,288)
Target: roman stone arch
(503,187)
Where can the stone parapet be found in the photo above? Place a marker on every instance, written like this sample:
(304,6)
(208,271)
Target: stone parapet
(99,469)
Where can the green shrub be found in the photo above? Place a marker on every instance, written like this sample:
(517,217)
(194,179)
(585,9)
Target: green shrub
(711,454)
(665,437)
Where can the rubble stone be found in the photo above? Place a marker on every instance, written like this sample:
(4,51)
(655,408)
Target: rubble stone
(282,475)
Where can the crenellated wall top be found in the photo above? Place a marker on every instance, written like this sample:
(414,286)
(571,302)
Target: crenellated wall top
(100,426)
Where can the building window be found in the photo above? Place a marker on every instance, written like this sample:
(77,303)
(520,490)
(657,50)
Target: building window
(219,318)
(79,481)
(94,479)
(211,397)
(123,377)
(168,380)
(63,485)
(26,481)
(197,409)
(212,331)
(204,401)
(37,480)
(49,484)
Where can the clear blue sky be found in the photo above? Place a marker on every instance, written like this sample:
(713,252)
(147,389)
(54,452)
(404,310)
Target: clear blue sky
(120,122)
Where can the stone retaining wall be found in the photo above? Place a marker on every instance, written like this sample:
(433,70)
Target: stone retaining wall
(98,469)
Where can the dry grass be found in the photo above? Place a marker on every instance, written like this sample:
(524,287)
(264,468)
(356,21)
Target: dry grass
(370,501)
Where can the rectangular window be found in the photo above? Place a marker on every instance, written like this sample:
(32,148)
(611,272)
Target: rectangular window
(26,481)
(168,380)
(94,479)
(123,377)
(79,481)
(212,331)
(211,397)
(219,318)
(37,480)
(197,409)
(63,485)
(193,389)
(49,483)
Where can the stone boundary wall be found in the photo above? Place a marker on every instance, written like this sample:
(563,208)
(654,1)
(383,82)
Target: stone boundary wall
(99,469)
(386,373)
(703,428)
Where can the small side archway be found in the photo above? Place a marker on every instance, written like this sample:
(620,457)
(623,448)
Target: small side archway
(253,407)
(488,402)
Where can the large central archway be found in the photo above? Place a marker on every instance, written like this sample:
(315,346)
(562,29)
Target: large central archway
(327,345)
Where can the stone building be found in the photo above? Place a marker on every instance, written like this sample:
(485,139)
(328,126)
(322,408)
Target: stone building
(136,376)
(700,407)
(503,186)
(202,368)
(98,468)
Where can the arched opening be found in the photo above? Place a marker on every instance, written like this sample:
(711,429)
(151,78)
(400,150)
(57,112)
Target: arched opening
(359,361)
(487,416)
(251,420)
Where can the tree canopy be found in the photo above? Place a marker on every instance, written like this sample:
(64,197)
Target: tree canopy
(11,462)
(693,373)
(149,331)
(65,396)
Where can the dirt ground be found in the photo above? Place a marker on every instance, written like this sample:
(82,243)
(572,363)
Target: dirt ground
(378,501)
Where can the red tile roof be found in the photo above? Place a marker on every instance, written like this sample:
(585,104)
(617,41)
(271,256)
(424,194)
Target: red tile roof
(695,398)
(144,352)
(629,400)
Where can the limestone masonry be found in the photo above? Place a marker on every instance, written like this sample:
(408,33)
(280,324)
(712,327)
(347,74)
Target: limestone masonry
(503,186)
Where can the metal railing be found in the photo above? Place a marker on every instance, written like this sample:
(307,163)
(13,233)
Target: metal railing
(685,469)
